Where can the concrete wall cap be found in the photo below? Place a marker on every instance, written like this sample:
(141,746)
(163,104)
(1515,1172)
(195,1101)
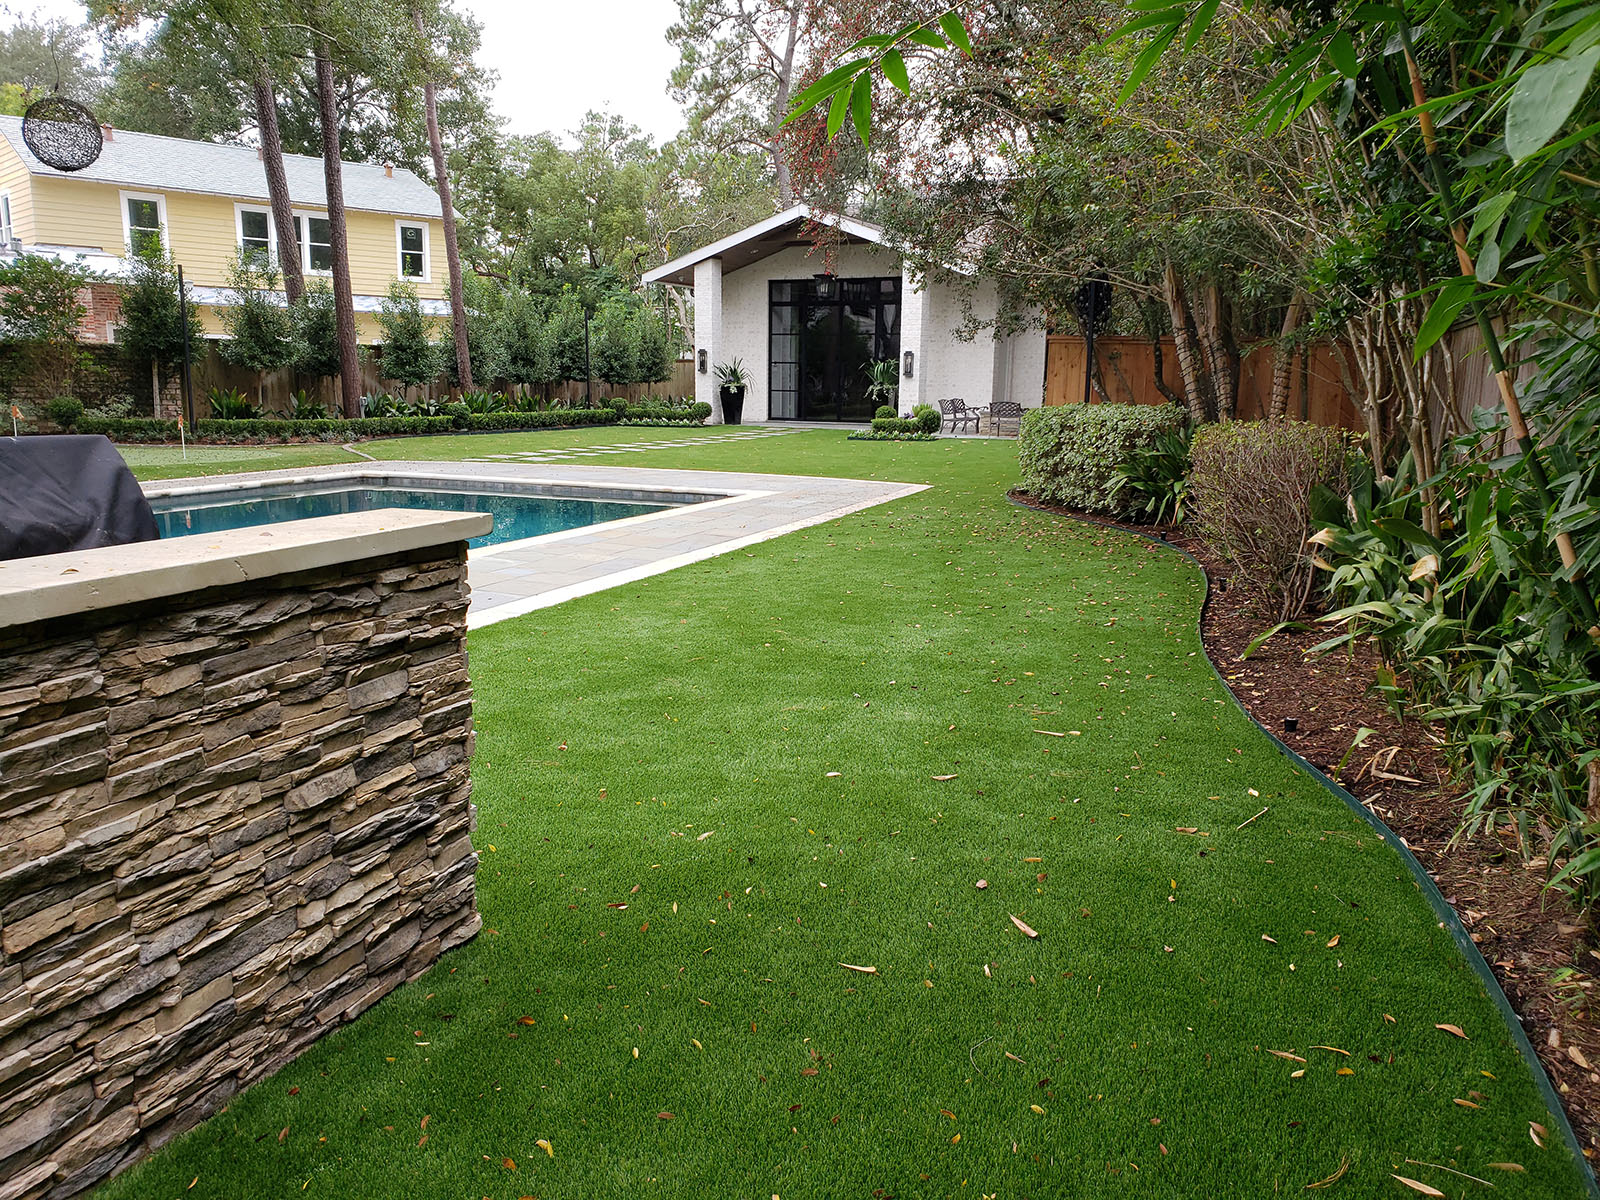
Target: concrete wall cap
(81,581)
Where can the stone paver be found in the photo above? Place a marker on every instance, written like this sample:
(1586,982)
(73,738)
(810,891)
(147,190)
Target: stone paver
(518,577)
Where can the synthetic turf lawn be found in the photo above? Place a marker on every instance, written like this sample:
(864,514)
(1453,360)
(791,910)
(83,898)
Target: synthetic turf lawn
(678,735)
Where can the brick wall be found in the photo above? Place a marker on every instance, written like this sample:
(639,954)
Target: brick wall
(227,824)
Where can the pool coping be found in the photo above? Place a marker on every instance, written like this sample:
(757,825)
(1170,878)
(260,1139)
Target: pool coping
(731,510)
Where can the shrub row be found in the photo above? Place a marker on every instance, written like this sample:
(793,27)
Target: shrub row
(651,410)
(678,422)
(888,435)
(148,429)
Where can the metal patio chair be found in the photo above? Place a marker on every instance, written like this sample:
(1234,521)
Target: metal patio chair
(961,417)
(1005,410)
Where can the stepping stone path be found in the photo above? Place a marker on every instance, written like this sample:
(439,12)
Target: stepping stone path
(559,454)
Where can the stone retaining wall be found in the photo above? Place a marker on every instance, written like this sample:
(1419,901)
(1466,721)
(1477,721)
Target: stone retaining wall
(228,821)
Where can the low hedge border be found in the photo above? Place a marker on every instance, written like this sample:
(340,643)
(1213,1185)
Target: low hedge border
(679,423)
(149,429)
(890,435)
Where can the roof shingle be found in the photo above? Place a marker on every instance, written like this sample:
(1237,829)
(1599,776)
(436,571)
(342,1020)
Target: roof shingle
(153,163)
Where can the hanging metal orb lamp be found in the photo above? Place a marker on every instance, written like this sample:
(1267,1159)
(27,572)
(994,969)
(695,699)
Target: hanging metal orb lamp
(62,133)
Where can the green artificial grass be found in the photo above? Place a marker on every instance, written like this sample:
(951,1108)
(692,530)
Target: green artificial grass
(808,753)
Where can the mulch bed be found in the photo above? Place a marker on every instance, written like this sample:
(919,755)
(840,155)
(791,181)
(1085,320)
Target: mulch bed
(1526,934)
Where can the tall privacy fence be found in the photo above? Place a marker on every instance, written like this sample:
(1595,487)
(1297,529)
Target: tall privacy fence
(1318,391)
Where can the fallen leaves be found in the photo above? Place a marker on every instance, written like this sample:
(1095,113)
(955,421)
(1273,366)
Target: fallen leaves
(862,970)
(1344,1166)
(544,1144)
(665,1116)
(1267,938)
(1335,1049)
(943,778)
(1417,1185)
(1287,1054)
(981,884)
(1454,1030)
(1023,925)
(1538,1133)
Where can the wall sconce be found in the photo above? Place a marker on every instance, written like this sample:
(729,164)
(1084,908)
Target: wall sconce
(701,355)
(908,361)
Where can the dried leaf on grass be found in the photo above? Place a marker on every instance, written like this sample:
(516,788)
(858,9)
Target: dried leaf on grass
(1335,1049)
(1538,1133)
(943,778)
(1344,1166)
(863,970)
(1417,1185)
(1023,925)
(544,1144)
(1514,1168)
(1453,1029)
(1286,1054)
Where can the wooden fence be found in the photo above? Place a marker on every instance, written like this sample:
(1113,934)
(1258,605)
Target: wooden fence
(1128,371)
(1317,392)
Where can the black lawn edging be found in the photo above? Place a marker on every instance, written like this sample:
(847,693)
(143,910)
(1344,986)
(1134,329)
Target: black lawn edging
(1420,877)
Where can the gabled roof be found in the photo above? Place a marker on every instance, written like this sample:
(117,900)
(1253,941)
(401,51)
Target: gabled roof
(148,162)
(761,240)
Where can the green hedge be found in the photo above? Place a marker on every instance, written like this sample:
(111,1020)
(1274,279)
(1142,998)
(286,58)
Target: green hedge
(658,422)
(148,429)
(551,418)
(897,425)
(693,414)
(1070,454)
(889,435)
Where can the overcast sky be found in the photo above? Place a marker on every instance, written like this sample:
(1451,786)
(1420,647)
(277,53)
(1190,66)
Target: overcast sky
(556,58)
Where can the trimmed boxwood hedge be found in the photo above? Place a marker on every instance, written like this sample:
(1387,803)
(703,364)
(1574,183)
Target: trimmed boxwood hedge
(1070,454)
(148,429)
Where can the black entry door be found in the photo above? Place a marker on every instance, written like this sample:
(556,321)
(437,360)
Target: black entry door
(823,339)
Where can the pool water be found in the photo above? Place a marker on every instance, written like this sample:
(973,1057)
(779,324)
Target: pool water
(516,516)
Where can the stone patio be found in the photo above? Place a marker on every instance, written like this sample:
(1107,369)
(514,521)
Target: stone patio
(513,578)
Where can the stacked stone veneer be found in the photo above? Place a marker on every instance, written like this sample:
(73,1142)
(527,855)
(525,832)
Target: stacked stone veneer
(228,822)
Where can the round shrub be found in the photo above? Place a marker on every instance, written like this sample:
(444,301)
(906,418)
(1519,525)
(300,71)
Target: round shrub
(927,418)
(1250,485)
(1069,454)
(64,411)
(885,410)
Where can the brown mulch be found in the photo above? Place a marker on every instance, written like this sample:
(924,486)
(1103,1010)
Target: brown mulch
(1526,934)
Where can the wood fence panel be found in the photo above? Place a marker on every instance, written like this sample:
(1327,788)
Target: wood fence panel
(1128,370)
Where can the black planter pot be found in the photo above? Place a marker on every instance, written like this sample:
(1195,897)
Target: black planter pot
(732,405)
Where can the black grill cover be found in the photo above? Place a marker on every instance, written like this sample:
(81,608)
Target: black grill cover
(68,493)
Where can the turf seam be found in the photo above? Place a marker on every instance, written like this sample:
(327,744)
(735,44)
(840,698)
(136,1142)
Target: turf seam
(1430,890)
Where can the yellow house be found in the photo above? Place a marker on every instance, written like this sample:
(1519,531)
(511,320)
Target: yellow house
(207,202)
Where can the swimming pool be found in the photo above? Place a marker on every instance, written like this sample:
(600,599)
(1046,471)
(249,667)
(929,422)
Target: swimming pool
(518,513)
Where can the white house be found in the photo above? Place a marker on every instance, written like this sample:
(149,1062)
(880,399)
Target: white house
(807,326)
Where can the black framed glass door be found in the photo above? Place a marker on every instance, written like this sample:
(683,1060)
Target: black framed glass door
(822,340)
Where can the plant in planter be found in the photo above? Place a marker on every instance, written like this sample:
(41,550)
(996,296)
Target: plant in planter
(731,384)
(883,386)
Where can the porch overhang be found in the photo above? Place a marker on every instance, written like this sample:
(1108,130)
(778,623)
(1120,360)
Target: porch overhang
(762,240)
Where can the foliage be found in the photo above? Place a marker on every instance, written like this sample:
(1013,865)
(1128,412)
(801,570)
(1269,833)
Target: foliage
(483,403)
(1157,478)
(893,424)
(883,410)
(884,383)
(152,327)
(305,407)
(409,354)
(731,374)
(53,55)
(614,345)
(260,334)
(146,429)
(39,317)
(230,404)
(1069,454)
(315,325)
(1492,644)
(64,411)
(890,435)
(564,334)
(927,418)
(1250,491)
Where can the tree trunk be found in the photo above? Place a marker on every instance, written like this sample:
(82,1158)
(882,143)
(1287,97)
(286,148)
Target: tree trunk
(1221,353)
(452,248)
(1196,379)
(1158,356)
(780,109)
(333,174)
(294,283)
(1283,358)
